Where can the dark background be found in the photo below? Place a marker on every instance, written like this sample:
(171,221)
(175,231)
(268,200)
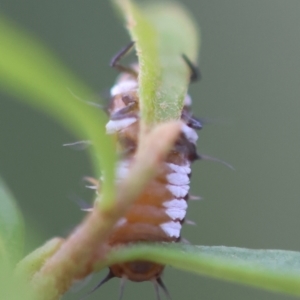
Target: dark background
(250,92)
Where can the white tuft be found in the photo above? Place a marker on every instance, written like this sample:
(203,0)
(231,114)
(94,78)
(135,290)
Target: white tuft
(122,169)
(116,125)
(178,179)
(121,222)
(123,87)
(189,133)
(172,229)
(176,214)
(176,208)
(187,100)
(178,191)
(176,203)
(184,169)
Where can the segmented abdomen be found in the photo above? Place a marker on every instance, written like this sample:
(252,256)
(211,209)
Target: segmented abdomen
(159,211)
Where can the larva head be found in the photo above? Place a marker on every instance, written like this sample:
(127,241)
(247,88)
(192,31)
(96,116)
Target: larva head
(138,270)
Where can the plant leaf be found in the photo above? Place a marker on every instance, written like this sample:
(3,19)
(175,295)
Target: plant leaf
(162,32)
(11,227)
(14,287)
(33,74)
(275,270)
(36,259)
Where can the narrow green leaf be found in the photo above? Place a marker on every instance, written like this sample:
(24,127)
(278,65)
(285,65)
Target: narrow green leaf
(275,270)
(33,74)
(11,227)
(162,31)
(13,287)
(36,259)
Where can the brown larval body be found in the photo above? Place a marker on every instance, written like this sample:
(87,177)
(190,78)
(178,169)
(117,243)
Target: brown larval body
(159,211)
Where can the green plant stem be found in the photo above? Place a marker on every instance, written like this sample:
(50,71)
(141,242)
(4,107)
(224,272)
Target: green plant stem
(33,262)
(162,32)
(33,74)
(75,259)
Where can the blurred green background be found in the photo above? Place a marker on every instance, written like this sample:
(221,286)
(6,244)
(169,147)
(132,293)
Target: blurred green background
(249,93)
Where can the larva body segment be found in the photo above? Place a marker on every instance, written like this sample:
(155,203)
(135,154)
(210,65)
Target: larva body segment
(159,212)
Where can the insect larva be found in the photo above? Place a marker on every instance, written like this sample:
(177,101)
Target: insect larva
(160,210)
